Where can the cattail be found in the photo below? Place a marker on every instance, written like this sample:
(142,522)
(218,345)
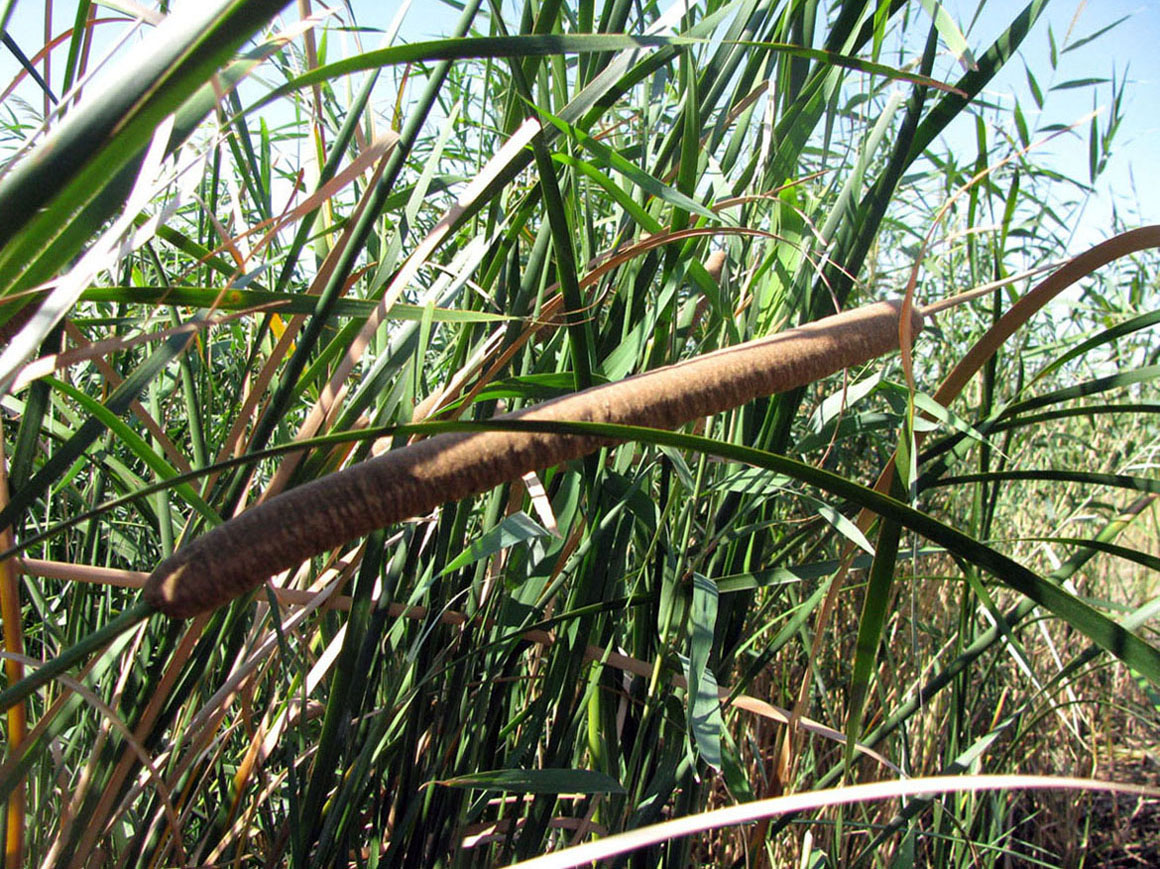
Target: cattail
(313,518)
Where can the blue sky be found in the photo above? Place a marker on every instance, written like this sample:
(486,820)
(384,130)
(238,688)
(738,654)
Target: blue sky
(1133,45)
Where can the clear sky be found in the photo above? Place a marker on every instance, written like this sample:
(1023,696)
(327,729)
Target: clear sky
(1133,45)
(1133,175)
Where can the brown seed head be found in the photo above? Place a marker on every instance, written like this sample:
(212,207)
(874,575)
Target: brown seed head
(233,558)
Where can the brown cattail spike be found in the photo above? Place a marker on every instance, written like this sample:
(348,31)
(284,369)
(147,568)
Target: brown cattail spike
(286,530)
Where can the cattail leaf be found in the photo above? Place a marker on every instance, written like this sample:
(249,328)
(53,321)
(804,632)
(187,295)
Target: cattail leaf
(1011,418)
(971,84)
(138,445)
(1094,149)
(844,526)
(14,47)
(753,481)
(530,387)
(839,402)
(474,47)
(622,197)
(1089,387)
(1077,83)
(1132,650)
(1085,410)
(1033,85)
(517,528)
(944,415)
(875,604)
(950,33)
(612,160)
(1021,127)
(800,573)
(1144,559)
(681,468)
(579,329)
(846,61)
(1084,40)
(704,706)
(1088,478)
(537,781)
(775,576)
(117,403)
(71,169)
(284,303)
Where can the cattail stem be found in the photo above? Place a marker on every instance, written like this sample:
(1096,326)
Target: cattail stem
(231,559)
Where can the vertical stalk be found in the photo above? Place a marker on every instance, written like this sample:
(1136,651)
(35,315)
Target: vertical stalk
(14,671)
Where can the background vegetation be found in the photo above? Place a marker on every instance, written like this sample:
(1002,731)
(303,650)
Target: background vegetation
(330,238)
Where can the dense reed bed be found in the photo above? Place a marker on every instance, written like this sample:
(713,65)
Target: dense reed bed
(447,450)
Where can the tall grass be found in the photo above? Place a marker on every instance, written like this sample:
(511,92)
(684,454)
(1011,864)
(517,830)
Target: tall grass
(261,247)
